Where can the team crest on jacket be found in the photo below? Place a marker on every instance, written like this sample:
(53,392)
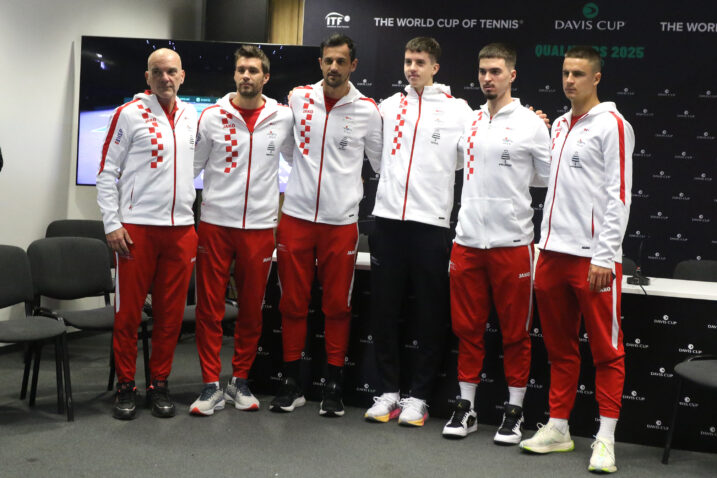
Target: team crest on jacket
(436,136)
(270,148)
(504,159)
(343,143)
(575,161)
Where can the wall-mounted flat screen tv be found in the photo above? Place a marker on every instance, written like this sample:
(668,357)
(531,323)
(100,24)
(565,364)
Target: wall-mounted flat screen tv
(112,72)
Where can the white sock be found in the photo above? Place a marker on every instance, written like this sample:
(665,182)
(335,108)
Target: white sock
(560,424)
(395,396)
(607,428)
(468,392)
(516,395)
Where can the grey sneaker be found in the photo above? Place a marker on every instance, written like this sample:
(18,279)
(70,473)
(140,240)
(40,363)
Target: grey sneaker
(239,393)
(211,398)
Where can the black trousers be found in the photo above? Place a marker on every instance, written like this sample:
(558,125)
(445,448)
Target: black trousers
(409,256)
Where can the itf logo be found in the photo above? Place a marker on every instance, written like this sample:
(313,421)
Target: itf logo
(337,20)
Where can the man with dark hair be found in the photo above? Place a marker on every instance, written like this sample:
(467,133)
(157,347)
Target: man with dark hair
(334,126)
(507,150)
(145,192)
(410,243)
(579,270)
(238,145)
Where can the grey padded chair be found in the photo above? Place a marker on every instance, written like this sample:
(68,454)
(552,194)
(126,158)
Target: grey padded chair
(69,268)
(701,369)
(15,288)
(80,228)
(703,270)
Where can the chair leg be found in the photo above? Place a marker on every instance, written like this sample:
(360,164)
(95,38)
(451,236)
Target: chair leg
(68,382)
(111,381)
(673,421)
(26,373)
(145,353)
(58,375)
(35,373)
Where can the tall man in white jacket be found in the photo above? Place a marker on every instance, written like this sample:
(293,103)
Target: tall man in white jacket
(145,190)
(579,270)
(411,242)
(506,149)
(238,145)
(334,126)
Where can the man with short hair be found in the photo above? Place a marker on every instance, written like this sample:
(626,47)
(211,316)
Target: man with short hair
(506,150)
(411,241)
(238,145)
(579,270)
(145,191)
(334,126)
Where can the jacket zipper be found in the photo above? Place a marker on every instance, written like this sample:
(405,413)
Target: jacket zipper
(321,163)
(410,159)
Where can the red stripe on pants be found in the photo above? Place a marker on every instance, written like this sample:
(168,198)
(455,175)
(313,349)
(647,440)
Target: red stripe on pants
(161,257)
(252,250)
(563,293)
(300,245)
(501,276)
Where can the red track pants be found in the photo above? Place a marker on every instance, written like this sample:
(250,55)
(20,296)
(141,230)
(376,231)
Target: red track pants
(563,293)
(502,276)
(301,247)
(161,257)
(252,250)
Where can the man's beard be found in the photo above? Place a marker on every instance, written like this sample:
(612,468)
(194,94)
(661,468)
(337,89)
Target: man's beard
(250,93)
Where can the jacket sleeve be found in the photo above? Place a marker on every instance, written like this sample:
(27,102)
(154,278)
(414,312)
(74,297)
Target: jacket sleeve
(373,145)
(203,144)
(465,114)
(288,146)
(112,163)
(540,150)
(617,147)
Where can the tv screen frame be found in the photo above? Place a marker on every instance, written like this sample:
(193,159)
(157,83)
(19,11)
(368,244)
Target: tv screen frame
(112,72)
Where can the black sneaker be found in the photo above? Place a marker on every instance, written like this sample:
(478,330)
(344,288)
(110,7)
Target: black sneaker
(288,397)
(510,432)
(331,403)
(463,421)
(125,406)
(159,399)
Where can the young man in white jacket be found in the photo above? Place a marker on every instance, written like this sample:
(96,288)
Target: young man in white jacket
(238,145)
(334,127)
(410,243)
(145,191)
(579,270)
(506,149)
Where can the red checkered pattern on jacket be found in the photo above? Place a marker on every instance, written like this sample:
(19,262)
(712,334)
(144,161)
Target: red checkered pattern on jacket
(304,126)
(470,150)
(231,142)
(156,136)
(400,121)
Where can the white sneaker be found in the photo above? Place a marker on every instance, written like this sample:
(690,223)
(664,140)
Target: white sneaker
(603,457)
(384,409)
(239,393)
(510,432)
(414,412)
(210,399)
(463,421)
(548,439)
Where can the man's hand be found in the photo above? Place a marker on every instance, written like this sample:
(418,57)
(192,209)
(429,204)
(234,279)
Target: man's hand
(542,116)
(599,277)
(119,241)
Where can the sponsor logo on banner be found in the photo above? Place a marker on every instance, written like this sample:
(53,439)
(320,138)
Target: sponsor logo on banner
(706,135)
(547,89)
(490,328)
(633,396)
(701,218)
(658,425)
(319,383)
(664,134)
(469,23)
(337,20)
(536,333)
(637,344)
(364,82)
(643,153)
(645,113)
(398,84)
(681,197)
(688,402)
(583,390)
(690,349)
(664,320)
(703,177)
(366,388)
(662,373)
(590,12)
(626,92)
(471,86)
(662,175)
(657,256)
(684,155)
(306,357)
(640,194)
(261,352)
(538,207)
(413,345)
(685,115)
(277,377)
(583,338)
(535,385)
(666,93)
(679,237)
(367,340)
(637,235)
(709,432)
(660,216)
(707,95)
(485,378)
(348,362)
(688,27)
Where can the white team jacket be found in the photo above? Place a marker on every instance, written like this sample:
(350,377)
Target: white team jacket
(503,157)
(325,182)
(145,172)
(588,200)
(241,169)
(420,155)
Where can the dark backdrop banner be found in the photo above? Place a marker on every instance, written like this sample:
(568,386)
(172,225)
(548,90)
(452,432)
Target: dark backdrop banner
(658,67)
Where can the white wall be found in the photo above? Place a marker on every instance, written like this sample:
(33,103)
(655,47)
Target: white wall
(39,68)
